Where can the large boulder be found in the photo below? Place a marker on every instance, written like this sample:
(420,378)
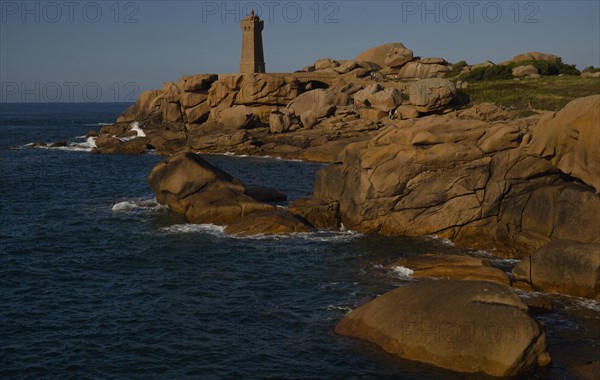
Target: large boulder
(420,70)
(265,89)
(238,117)
(570,138)
(203,193)
(532,56)
(388,55)
(197,83)
(525,71)
(463,326)
(378,97)
(318,101)
(279,122)
(326,63)
(563,266)
(433,94)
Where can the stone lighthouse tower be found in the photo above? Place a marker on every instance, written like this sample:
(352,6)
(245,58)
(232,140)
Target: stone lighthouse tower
(253,60)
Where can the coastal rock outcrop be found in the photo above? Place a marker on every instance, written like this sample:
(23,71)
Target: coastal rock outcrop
(466,180)
(464,326)
(203,193)
(563,266)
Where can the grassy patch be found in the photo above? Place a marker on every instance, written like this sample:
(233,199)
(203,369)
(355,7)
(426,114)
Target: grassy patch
(546,93)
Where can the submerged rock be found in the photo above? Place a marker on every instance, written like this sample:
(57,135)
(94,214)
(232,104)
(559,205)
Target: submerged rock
(453,267)
(463,326)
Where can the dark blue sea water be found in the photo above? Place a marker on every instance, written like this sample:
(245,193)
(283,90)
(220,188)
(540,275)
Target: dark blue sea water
(97,281)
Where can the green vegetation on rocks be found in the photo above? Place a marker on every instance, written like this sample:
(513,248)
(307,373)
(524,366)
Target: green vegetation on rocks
(455,69)
(499,72)
(546,93)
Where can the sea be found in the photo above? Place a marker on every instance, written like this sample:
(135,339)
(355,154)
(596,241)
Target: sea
(97,280)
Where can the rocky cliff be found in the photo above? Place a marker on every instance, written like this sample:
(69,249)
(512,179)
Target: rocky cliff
(510,186)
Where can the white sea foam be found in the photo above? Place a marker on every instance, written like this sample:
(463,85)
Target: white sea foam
(266,157)
(91,141)
(97,124)
(511,262)
(345,309)
(589,304)
(135,126)
(86,146)
(211,229)
(316,236)
(403,272)
(444,241)
(138,205)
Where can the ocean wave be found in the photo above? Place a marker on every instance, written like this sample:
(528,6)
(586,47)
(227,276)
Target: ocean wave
(211,229)
(135,126)
(345,309)
(138,205)
(325,236)
(265,157)
(87,146)
(96,124)
(402,272)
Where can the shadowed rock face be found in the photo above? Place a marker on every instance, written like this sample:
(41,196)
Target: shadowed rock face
(464,326)
(467,180)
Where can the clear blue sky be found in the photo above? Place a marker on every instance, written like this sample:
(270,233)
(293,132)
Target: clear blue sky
(97,44)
